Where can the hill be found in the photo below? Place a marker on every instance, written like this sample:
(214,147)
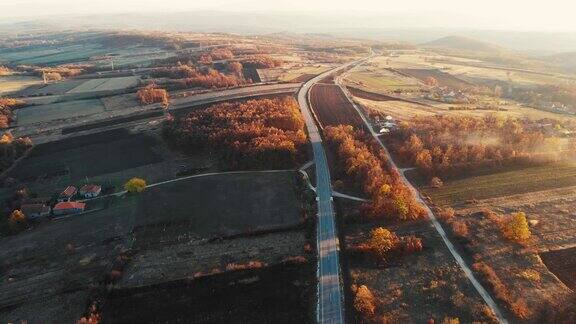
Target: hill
(564,60)
(463,43)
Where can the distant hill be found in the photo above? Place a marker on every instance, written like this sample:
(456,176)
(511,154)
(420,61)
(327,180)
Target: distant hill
(464,43)
(564,60)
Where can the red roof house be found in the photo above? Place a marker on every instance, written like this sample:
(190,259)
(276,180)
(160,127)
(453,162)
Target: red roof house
(68,193)
(90,191)
(68,207)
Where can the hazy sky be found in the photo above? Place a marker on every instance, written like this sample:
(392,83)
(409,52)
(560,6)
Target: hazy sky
(491,14)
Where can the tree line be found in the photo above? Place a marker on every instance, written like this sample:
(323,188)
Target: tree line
(256,133)
(451,145)
(390,197)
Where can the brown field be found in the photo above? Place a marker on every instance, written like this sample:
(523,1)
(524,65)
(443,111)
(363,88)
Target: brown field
(563,264)
(415,288)
(373,96)
(332,107)
(444,79)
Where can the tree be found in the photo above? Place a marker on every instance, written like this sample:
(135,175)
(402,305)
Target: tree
(516,227)
(364,301)
(17,220)
(431,81)
(135,185)
(436,182)
(381,242)
(53,76)
(151,94)
(451,320)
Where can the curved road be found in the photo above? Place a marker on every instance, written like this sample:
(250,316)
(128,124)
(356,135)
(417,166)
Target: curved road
(330,297)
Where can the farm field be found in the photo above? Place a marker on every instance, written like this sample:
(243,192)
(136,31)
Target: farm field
(504,183)
(275,294)
(376,80)
(54,266)
(77,86)
(76,158)
(54,55)
(62,110)
(332,107)
(403,110)
(296,75)
(444,79)
(563,264)
(415,288)
(224,204)
(14,83)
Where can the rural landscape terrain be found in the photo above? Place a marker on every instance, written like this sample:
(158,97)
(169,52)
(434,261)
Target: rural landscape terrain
(203,177)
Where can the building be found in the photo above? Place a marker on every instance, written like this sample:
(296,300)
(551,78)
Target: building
(33,211)
(67,194)
(68,207)
(90,191)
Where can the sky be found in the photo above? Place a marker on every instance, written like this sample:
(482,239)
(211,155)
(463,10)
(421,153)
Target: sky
(553,15)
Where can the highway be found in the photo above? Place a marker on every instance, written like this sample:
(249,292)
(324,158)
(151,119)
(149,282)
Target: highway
(330,296)
(459,259)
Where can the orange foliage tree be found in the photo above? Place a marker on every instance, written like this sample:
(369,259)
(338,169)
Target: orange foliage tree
(151,94)
(256,133)
(449,145)
(389,196)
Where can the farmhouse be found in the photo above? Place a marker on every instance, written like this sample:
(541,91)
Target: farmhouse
(67,194)
(69,207)
(33,211)
(90,191)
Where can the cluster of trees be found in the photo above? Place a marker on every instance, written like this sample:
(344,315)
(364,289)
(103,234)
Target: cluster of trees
(256,133)
(152,94)
(221,54)
(448,145)
(189,77)
(6,107)
(544,95)
(390,198)
(261,62)
(5,70)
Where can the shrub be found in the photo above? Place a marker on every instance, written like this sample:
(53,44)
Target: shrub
(382,241)
(436,183)
(451,320)
(135,185)
(364,302)
(17,220)
(516,227)
(446,214)
(460,228)
(150,94)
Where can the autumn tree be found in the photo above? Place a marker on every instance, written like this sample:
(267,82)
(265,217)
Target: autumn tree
(516,227)
(151,94)
(52,76)
(236,68)
(17,220)
(430,81)
(135,185)
(382,241)
(364,301)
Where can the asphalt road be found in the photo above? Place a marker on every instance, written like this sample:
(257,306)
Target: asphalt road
(459,259)
(330,297)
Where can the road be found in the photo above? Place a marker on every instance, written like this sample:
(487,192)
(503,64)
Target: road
(459,259)
(330,297)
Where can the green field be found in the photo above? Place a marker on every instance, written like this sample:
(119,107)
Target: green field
(62,110)
(507,183)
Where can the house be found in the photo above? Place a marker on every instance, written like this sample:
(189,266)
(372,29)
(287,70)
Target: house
(67,194)
(90,191)
(33,211)
(68,207)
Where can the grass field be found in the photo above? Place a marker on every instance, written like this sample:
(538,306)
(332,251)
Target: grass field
(12,83)
(504,183)
(62,110)
(105,84)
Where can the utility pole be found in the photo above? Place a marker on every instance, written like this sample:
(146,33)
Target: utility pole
(44,77)
(112,63)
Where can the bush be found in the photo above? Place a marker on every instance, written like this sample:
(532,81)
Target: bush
(516,227)
(135,185)
(381,242)
(364,302)
(150,94)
